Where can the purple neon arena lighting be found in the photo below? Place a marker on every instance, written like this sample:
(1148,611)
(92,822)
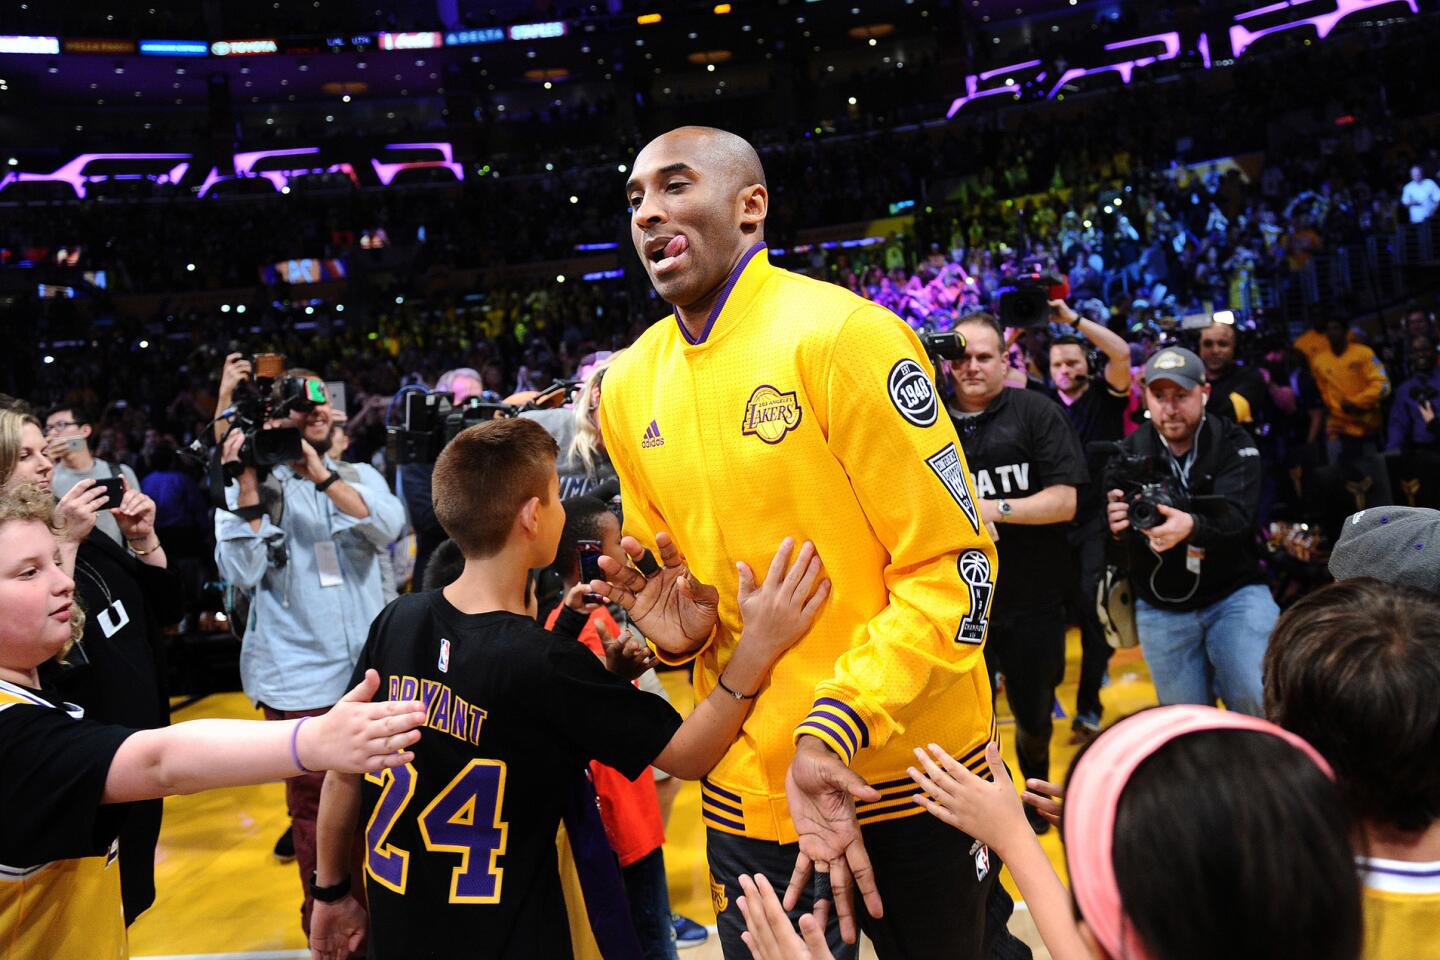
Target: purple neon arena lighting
(1241,38)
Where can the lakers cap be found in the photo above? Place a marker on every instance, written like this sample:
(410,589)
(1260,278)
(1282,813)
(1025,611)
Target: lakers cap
(1177,365)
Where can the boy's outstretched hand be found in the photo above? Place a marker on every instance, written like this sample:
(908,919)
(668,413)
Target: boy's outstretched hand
(768,933)
(991,812)
(668,604)
(626,655)
(356,736)
(779,610)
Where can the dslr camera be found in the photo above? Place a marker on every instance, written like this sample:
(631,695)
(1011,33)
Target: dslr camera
(270,395)
(1146,483)
(1423,393)
(1025,300)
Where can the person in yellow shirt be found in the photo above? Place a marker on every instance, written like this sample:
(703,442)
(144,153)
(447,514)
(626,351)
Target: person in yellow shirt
(1352,382)
(774,405)
(1352,668)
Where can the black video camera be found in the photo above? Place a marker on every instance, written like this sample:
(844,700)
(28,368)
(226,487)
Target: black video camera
(949,345)
(270,395)
(1423,393)
(1147,483)
(432,420)
(1025,300)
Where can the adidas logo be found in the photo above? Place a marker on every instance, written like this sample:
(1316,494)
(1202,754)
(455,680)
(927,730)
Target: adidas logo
(652,437)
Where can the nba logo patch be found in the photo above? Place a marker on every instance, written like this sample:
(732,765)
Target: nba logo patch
(444,656)
(982,863)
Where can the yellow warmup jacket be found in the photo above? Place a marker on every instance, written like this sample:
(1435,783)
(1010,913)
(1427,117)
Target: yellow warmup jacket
(1356,375)
(805,411)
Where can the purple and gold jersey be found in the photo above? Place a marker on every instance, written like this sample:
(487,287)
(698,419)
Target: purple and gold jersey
(59,876)
(460,843)
(805,411)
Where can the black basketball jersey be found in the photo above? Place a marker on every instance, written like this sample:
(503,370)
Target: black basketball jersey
(460,843)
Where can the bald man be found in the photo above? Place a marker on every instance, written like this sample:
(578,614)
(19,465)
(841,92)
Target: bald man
(770,405)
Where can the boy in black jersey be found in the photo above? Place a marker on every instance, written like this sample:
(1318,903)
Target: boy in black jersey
(460,844)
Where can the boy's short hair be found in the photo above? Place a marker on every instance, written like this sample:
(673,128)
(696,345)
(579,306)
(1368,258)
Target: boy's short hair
(1354,669)
(485,475)
(582,522)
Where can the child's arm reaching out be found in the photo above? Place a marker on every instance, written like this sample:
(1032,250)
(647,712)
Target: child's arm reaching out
(776,613)
(992,813)
(355,735)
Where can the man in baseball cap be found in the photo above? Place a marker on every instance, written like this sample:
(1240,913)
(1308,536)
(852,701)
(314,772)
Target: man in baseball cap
(1202,608)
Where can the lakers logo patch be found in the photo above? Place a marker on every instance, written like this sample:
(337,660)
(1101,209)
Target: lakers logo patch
(718,900)
(771,414)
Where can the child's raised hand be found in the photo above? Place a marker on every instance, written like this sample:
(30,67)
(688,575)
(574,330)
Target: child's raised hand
(356,736)
(1045,797)
(626,655)
(779,610)
(990,812)
(768,933)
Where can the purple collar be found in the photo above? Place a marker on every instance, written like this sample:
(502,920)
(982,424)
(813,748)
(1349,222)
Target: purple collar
(720,301)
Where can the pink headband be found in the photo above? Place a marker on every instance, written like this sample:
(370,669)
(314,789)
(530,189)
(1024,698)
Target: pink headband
(1093,795)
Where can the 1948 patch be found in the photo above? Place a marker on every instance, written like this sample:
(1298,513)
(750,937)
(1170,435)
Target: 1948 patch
(913,394)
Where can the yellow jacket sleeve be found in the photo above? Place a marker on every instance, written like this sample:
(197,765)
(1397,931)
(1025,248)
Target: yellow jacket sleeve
(886,425)
(1377,385)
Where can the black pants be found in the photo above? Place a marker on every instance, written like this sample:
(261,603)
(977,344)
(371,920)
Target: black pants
(1087,543)
(936,904)
(1027,644)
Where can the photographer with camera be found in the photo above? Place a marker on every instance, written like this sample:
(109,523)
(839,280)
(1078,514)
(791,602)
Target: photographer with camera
(1183,491)
(302,534)
(1026,463)
(1095,401)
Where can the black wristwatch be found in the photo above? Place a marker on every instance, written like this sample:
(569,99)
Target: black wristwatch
(325,484)
(329,894)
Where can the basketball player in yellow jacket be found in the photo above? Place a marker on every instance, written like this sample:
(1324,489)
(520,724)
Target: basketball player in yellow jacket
(773,405)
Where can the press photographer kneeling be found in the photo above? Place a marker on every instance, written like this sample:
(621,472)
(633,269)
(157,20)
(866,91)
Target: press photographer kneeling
(1183,491)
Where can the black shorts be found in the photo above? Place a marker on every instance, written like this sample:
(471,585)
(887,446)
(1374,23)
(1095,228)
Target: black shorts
(938,901)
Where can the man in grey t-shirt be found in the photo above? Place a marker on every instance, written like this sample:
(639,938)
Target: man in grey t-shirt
(67,436)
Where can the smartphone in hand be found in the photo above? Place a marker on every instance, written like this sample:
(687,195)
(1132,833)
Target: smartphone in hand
(590,552)
(114,490)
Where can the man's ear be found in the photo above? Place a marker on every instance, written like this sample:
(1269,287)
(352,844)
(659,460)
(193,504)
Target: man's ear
(754,205)
(85,430)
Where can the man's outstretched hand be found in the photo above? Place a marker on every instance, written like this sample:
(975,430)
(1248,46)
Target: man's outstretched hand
(821,792)
(673,609)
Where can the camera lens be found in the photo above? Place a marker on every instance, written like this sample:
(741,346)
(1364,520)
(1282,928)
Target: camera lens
(1144,515)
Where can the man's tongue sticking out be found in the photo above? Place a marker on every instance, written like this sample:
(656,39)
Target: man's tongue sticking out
(677,245)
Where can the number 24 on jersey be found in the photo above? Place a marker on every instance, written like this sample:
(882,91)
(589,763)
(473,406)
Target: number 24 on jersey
(463,818)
